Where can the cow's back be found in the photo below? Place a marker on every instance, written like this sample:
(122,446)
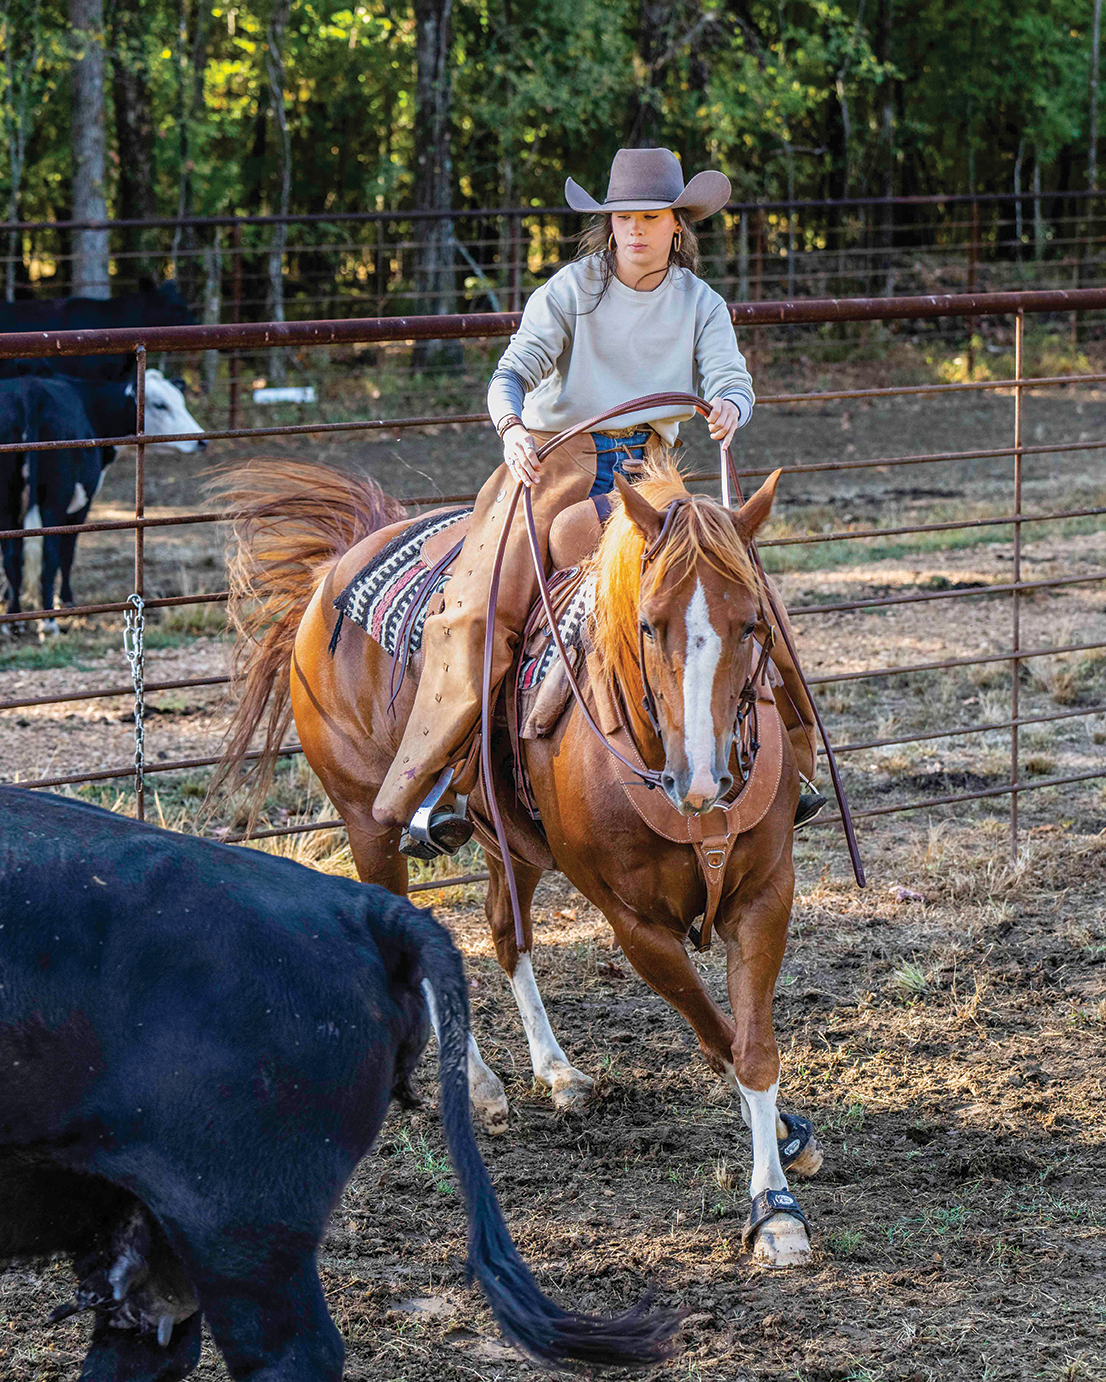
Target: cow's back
(169,988)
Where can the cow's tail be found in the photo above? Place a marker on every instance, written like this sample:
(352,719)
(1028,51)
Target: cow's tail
(527,1317)
(291,523)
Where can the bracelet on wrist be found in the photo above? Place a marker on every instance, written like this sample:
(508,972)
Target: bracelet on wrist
(506,423)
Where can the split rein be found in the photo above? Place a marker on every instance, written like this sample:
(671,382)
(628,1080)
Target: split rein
(649,776)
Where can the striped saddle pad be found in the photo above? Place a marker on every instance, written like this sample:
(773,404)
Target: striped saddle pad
(389,599)
(380,597)
(540,652)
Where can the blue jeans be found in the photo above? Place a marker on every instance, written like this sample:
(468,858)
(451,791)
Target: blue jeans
(612,454)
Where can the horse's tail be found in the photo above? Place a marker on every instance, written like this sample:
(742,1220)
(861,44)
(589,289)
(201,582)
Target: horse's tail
(291,523)
(527,1317)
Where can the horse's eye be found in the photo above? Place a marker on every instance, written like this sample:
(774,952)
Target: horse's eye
(747,630)
(646,629)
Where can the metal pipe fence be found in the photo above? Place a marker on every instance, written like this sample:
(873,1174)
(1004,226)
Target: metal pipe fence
(484,326)
(346,264)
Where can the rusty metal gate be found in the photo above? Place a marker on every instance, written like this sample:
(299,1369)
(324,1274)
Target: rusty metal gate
(746,315)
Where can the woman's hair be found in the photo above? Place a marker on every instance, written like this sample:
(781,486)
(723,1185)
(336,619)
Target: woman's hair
(595,238)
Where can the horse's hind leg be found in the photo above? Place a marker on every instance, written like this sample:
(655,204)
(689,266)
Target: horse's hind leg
(375,850)
(571,1088)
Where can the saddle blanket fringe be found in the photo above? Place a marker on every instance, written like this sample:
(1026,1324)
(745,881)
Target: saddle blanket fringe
(380,596)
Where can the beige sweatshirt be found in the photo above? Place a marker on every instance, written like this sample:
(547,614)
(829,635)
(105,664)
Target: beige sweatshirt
(579,354)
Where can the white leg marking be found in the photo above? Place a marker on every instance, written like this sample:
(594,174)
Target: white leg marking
(767,1171)
(486,1091)
(79,500)
(781,1241)
(704,648)
(571,1087)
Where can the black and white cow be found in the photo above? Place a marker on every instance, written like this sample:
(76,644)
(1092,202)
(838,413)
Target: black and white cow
(198,1043)
(61,484)
(162,306)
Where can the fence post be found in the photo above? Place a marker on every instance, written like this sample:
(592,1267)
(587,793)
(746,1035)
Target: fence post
(213,302)
(743,256)
(139,575)
(973,261)
(1019,340)
(515,223)
(236,317)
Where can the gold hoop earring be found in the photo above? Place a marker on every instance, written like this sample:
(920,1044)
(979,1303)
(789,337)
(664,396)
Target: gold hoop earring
(610,242)
(677,242)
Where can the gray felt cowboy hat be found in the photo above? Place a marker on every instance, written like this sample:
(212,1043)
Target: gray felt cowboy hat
(651,180)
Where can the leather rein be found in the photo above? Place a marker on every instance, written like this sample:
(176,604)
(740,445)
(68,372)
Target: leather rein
(747,697)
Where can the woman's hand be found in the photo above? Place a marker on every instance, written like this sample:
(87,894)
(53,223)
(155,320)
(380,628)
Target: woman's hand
(520,454)
(723,420)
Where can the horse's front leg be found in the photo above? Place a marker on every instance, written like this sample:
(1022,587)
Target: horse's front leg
(755,930)
(571,1088)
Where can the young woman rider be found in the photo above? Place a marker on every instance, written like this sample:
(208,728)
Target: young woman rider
(628,317)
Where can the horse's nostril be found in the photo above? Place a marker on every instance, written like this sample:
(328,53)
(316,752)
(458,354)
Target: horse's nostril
(725,782)
(668,782)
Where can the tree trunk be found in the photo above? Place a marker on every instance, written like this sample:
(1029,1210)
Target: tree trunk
(90,247)
(274,68)
(434,176)
(136,197)
(190,99)
(20,77)
(1092,150)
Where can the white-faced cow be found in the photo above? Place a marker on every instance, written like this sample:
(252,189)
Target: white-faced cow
(198,1043)
(61,484)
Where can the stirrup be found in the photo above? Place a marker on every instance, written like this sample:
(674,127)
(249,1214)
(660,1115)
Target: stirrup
(810,804)
(435,831)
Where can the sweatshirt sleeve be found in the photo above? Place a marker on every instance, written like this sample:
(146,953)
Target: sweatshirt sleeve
(720,364)
(544,333)
(506,392)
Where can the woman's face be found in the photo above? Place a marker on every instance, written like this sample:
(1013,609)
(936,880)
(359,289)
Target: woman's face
(643,240)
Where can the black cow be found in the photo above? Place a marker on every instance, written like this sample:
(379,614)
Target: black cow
(60,484)
(198,1043)
(161,307)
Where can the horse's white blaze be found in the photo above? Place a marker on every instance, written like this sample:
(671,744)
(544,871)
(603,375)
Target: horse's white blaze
(767,1171)
(545,1050)
(79,500)
(704,648)
(167,412)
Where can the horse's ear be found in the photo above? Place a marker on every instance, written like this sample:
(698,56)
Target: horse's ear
(638,509)
(756,509)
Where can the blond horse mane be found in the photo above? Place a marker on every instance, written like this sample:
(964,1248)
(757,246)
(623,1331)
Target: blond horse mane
(701,530)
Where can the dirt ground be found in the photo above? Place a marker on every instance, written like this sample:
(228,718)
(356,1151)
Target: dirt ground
(944,1029)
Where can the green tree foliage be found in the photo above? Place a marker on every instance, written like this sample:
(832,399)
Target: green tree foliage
(812,97)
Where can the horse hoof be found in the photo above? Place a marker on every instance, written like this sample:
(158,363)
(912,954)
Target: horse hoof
(47,629)
(809,1161)
(572,1090)
(781,1242)
(493,1115)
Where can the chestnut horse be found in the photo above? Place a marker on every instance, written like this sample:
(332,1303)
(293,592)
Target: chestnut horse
(303,532)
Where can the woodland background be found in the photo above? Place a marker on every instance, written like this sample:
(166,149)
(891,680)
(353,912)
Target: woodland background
(313,107)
